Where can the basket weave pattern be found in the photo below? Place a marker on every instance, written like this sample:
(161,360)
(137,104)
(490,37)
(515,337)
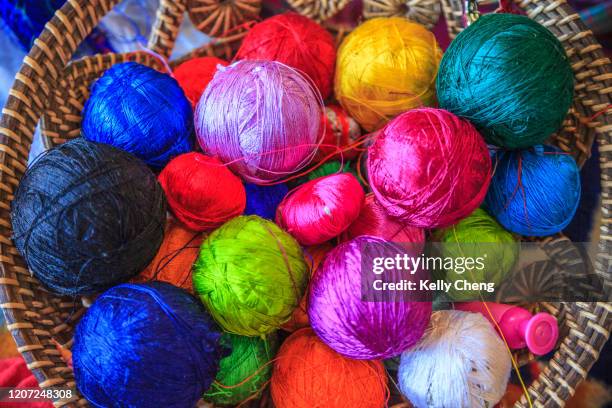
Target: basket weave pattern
(50,87)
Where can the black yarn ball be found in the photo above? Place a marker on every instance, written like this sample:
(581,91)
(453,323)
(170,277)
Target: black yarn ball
(87,216)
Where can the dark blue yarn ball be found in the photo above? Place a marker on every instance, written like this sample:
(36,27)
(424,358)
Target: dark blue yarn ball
(87,216)
(263,200)
(141,111)
(146,345)
(534,192)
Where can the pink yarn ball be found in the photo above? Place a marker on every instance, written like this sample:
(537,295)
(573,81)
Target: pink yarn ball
(321,209)
(429,168)
(262,118)
(374,220)
(357,328)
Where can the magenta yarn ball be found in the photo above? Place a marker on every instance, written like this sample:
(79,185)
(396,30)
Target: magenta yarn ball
(262,118)
(358,326)
(429,168)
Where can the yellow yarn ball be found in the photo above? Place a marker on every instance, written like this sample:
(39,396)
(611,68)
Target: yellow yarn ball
(385,67)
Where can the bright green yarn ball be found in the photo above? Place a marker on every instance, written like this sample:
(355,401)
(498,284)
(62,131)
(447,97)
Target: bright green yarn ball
(251,275)
(245,371)
(331,167)
(510,77)
(478,235)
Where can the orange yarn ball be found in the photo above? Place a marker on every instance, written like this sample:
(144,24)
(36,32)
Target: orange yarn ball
(194,75)
(201,191)
(175,257)
(314,255)
(309,374)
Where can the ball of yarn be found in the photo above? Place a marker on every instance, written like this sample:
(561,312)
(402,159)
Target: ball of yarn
(358,328)
(478,236)
(141,111)
(250,275)
(429,168)
(87,216)
(243,374)
(534,192)
(175,257)
(340,130)
(510,77)
(329,168)
(374,220)
(194,75)
(385,67)
(460,362)
(321,209)
(202,192)
(260,117)
(263,200)
(307,373)
(296,41)
(145,345)
(314,256)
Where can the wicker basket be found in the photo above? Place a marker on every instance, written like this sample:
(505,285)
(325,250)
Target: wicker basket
(50,87)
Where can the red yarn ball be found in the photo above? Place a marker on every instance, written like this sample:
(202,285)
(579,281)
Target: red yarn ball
(374,220)
(296,41)
(194,75)
(340,130)
(429,168)
(201,192)
(321,209)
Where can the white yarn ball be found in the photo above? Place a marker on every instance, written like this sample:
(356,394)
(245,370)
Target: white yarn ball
(460,362)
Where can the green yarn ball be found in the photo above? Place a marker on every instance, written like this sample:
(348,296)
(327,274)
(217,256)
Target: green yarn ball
(250,275)
(244,373)
(478,235)
(331,167)
(510,77)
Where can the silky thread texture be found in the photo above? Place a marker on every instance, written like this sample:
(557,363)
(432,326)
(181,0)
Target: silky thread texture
(362,329)
(251,275)
(175,257)
(194,75)
(201,192)
(321,209)
(308,374)
(534,192)
(340,131)
(478,235)
(145,345)
(386,66)
(296,41)
(429,168)
(314,256)
(510,77)
(87,216)
(373,220)
(460,362)
(262,118)
(245,371)
(140,110)
(329,168)
(263,200)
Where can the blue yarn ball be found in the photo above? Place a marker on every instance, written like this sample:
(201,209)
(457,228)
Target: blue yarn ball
(263,200)
(146,345)
(545,199)
(140,110)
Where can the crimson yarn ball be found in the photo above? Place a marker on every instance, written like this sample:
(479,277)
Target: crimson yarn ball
(374,220)
(202,192)
(321,209)
(193,75)
(429,168)
(296,41)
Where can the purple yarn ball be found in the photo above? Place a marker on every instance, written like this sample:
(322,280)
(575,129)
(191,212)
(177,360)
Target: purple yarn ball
(262,117)
(364,329)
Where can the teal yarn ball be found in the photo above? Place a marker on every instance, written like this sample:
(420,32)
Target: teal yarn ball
(244,373)
(534,192)
(477,236)
(510,77)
